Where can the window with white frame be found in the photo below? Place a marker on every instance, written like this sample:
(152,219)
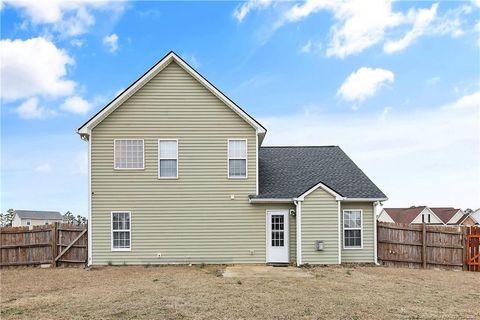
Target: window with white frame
(352,228)
(167,159)
(121,230)
(237,158)
(128,153)
(28,222)
(425,217)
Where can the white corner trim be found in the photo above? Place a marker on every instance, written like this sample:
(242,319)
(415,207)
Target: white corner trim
(89,225)
(256,166)
(298,233)
(375,243)
(95,120)
(339,228)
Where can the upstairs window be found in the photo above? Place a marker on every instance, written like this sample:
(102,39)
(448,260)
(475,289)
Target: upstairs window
(426,218)
(352,229)
(121,234)
(168,159)
(128,153)
(237,158)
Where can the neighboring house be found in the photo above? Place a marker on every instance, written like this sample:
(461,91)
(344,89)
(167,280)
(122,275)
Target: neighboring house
(476,215)
(178,174)
(422,214)
(468,220)
(28,218)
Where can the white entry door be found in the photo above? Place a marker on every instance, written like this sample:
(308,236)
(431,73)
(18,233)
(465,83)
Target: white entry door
(277,236)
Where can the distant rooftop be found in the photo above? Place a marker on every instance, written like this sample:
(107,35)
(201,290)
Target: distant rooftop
(39,215)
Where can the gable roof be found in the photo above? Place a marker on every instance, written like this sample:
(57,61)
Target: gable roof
(38,215)
(289,172)
(445,214)
(84,130)
(404,215)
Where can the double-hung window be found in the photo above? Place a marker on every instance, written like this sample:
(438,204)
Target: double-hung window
(352,229)
(128,153)
(168,159)
(237,158)
(121,231)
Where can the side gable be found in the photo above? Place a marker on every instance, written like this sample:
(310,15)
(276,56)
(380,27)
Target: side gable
(86,128)
(385,217)
(434,218)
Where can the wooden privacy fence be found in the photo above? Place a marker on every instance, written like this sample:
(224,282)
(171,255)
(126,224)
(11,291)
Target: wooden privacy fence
(422,245)
(472,242)
(55,244)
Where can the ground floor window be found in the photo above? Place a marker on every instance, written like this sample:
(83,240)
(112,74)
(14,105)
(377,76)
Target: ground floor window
(121,232)
(352,229)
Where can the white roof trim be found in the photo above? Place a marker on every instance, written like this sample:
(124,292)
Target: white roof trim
(431,211)
(461,216)
(172,56)
(271,200)
(467,216)
(336,195)
(324,187)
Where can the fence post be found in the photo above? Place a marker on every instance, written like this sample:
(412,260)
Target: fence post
(424,246)
(54,244)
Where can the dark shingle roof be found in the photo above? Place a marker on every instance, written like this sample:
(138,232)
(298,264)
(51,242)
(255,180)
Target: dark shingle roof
(41,215)
(287,172)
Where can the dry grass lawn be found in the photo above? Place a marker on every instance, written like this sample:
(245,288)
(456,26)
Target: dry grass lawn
(202,293)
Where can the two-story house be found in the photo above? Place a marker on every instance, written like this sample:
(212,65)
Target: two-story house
(178,174)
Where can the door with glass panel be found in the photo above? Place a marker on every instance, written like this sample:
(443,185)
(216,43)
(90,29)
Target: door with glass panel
(277,236)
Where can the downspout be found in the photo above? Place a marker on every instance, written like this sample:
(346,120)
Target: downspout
(375,243)
(298,220)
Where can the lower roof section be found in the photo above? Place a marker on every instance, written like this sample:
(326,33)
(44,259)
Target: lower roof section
(289,172)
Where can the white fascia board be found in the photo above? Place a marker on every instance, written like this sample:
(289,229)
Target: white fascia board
(152,73)
(364,199)
(271,200)
(324,187)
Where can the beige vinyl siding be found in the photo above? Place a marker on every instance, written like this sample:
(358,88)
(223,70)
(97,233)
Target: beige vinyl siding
(292,226)
(191,219)
(367,253)
(319,222)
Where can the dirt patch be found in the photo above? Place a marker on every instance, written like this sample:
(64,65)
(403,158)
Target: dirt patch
(203,293)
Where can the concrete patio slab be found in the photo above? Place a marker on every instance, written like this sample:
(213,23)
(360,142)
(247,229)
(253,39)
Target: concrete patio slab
(265,272)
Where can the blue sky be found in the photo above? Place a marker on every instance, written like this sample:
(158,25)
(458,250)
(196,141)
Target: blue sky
(395,84)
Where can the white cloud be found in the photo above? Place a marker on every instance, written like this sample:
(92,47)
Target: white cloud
(364,83)
(76,105)
(465,102)
(69,18)
(311,47)
(111,42)
(426,156)
(33,67)
(242,10)
(43,168)
(359,24)
(422,20)
(31,110)
(77,43)
(362,24)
